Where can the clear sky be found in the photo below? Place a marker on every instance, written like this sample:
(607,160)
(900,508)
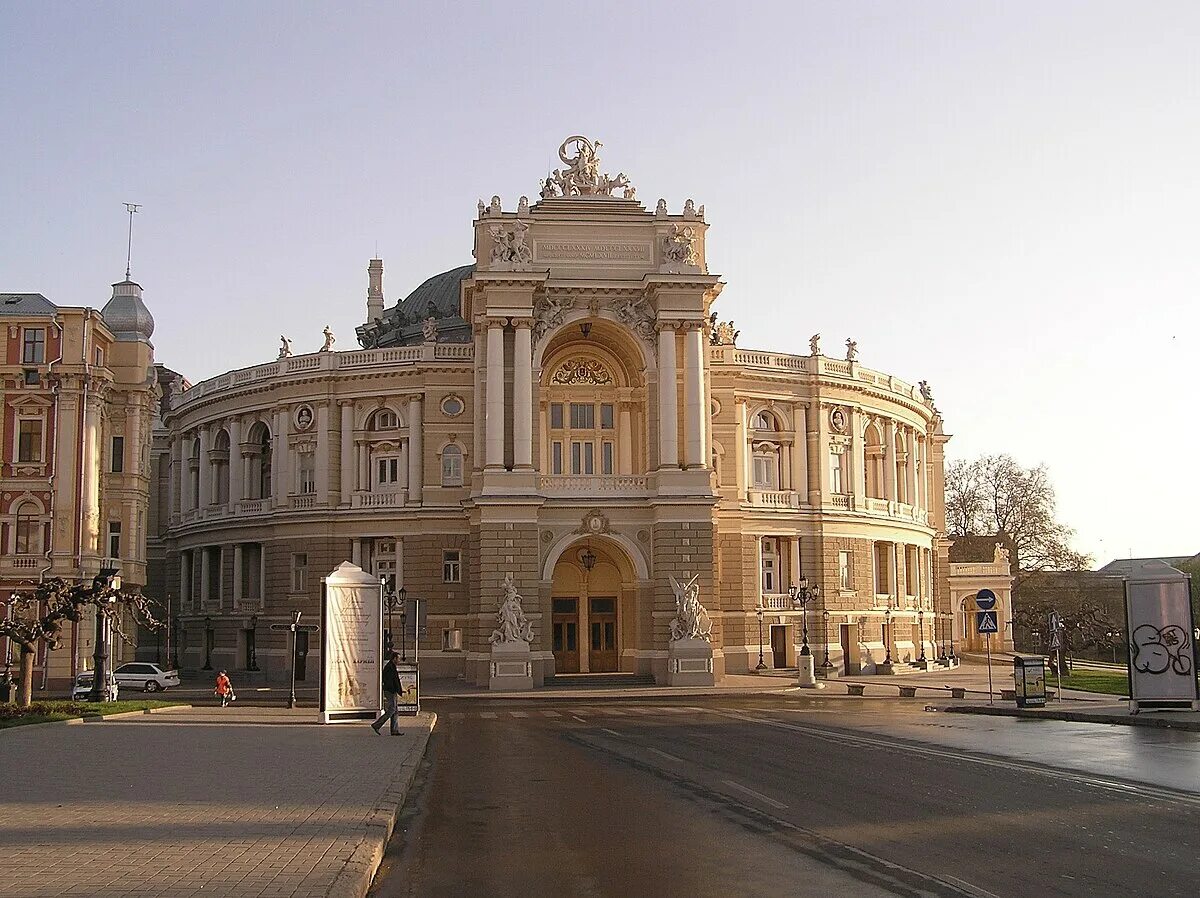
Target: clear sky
(1000,198)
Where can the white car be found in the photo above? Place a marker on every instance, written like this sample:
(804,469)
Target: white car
(145,676)
(83,687)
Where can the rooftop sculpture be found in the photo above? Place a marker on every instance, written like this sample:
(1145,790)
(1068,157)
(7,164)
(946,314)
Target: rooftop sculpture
(582,176)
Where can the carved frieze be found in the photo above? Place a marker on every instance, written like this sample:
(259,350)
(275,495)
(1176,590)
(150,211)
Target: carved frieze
(577,371)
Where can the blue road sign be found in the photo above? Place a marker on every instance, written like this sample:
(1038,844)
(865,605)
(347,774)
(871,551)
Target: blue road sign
(986,600)
(985,622)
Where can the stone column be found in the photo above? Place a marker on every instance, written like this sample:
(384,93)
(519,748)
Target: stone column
(668,401)
(206,477)
(858,484)
(322,459)
(205,580)
(794,572)
(889,460)
(416,451)
(741,449)
(281,461)
(911,474)
(785,464)
(813,423)
(182,472)
(822,451)
(237,575)
(348,459)
(625,440)
(173,479)
(800,451)
(523,394)
(364,466)
(185,578)
(91,474)
(237,489)
(695,412)
(494,408)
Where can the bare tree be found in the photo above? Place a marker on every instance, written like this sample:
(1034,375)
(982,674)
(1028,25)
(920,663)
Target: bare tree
(995,495)
(37,616)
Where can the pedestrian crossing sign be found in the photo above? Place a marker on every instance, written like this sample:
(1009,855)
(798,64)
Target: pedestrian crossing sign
(985,622)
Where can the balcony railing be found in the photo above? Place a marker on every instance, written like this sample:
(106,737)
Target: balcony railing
(774,498)
(300,503)
(25,562)
(378,500)
(777,602)
(590,484)
(253,506)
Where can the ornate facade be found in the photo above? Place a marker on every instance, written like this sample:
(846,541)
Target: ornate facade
(565,416)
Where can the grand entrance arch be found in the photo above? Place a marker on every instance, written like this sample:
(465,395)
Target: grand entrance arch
(592,607)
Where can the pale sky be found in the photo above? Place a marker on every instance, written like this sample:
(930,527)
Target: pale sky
(1000,198)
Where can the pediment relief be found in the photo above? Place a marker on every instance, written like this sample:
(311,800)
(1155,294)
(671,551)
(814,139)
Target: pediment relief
(30,403)
(576,371)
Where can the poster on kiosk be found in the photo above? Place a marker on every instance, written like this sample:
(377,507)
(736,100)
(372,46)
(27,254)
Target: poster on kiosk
(1162,651)
(351,645)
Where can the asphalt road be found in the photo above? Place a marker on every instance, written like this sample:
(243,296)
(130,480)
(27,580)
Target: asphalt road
(765,795)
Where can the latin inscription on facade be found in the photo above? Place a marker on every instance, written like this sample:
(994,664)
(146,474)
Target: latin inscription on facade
(601,252)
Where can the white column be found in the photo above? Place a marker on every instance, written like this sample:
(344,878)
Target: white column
(858,485)
(800,452)
(173,479)
(322,459)
(668,400)
(494,409)
(742,453)
(399,561)
(364,467)
(206,478)
(822,451)
(693,395)
(758,578)
(624,440)
(794,572)
(184,472)
(523,394)
(348,459)
(785,463)
(416,451)
(236,468)
(911,473)
(889,460)
(281,461)
(237,575)
(91,474)
(356,552)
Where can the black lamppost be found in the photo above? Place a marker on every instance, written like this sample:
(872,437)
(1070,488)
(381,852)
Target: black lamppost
(108,580)
(921,633)
(403,596)
(802,595)
(294,627)
(825,665)
(951,622)
(388,585)
(942,618)
(761,664)
(887,635)
(208,641)
(252,647)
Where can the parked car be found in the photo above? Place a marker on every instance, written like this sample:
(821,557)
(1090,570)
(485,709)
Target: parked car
(146,676)
(83,687)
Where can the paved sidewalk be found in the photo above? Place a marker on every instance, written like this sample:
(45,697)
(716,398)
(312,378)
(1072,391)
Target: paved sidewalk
(234,802)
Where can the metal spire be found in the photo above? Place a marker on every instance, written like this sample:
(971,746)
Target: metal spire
(130,208)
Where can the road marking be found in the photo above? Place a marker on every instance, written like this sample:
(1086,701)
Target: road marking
(610,732)
(764,798)
(967,887)
(488,715)
(548,713)
(667,755)
(580,719)
(518,713)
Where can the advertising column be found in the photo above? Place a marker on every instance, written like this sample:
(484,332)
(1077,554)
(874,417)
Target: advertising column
(351,645)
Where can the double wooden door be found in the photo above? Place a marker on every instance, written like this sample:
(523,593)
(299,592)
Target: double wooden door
(567,622)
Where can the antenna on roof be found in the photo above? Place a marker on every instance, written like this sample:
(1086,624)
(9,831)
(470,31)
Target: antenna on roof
(130,208)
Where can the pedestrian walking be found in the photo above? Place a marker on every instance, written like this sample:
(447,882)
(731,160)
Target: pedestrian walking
(224,689)
(391,696)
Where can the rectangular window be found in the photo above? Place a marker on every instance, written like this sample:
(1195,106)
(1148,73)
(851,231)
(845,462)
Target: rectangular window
(32,378)
(28,535)
(606,457)
(29,440)
(770,557)
(764,472)
(556,416)
(606,416)
(114,539)
(118,455)
(33,350)
(556,458)
(844,570)
(583,458)
(308,474)
(883,569)
(910,570)
(583,416)
(835,472)
(387,471)
(299,571)
(451,566)
(452,466)
(99,358)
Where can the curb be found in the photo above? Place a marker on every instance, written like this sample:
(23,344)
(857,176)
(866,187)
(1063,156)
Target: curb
(93,718)
(354,879)
(1138,720)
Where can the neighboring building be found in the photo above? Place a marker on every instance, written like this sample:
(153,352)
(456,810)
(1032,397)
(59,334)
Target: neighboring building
(566,410)
(980,562)
(78,396)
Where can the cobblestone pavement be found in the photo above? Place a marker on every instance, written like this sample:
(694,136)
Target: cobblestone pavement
(238,802)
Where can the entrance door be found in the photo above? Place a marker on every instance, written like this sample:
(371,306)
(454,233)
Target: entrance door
(602,620)
(778,646)
(565,624)
(301,653)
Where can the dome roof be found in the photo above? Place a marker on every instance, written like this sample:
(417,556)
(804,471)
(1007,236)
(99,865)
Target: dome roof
(437,297)
(126,315)
(440,291)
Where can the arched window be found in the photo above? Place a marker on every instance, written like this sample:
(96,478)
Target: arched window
(384,419)
(765,421)
(28,531)
(258,469)
(901,455)
(766,466)
(452,466)
(873,461)
(194,474)
(219,456)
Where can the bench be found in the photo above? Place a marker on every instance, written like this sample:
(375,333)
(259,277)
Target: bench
(908,691)
(855,688)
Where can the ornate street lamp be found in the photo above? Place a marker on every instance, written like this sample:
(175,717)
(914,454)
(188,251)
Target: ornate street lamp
(388,586)
(208,641)
(107,581)
(403,597)
(825,665)
(295,625)
(801,595)
(759,613)
(887,635)
(921,633)
(253,646)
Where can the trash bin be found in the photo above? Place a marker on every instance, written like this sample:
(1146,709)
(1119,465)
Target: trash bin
(1029,678)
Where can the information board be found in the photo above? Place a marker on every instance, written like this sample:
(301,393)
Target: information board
(351,645)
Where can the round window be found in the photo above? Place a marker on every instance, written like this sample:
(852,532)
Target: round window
(452,406)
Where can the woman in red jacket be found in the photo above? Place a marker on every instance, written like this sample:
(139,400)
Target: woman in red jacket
(224,689)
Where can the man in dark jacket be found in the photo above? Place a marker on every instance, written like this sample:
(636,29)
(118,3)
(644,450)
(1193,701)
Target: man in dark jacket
(391,693)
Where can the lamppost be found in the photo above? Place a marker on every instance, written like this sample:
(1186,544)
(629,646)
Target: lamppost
(921,633)
(825,665)
(6,686)
(403,596)
(253,644)
(108,580)
(759,614)
(294,627)
(887,635)
(208,641)
(801,595)
(388,585)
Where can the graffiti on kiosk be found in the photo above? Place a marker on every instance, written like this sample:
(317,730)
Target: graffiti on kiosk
(1161,650)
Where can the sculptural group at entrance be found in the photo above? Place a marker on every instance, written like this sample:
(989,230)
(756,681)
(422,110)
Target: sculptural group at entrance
(512,624)
(691,620)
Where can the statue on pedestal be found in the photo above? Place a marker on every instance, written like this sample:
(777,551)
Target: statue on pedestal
(691,621)
(512,625)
